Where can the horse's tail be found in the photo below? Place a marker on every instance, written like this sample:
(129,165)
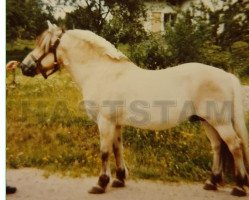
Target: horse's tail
(239,121)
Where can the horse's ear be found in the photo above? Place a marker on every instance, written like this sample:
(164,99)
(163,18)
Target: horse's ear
(55,26)
(50,26)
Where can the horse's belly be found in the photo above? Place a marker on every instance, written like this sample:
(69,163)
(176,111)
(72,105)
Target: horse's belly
(154,118)
(157,125)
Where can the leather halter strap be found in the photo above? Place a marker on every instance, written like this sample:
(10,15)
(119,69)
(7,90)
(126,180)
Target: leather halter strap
(52,49)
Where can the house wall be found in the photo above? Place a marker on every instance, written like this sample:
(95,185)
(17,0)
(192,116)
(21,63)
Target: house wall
(156,10)
(155,16)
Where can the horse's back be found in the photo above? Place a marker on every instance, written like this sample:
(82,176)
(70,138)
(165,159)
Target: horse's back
(188,78)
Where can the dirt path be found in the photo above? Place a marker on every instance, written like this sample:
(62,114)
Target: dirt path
(32,185)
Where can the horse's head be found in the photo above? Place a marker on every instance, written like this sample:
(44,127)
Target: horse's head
(43,59)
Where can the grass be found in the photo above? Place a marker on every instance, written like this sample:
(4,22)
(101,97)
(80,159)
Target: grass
(18,49)
(46,128)
(20,44)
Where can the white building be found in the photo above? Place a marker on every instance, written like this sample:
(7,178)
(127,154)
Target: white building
(161,13)
(158,14)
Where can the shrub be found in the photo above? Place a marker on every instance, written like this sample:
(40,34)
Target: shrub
(151,54)
(186,38)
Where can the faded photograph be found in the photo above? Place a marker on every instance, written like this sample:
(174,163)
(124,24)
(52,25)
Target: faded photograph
(131,99)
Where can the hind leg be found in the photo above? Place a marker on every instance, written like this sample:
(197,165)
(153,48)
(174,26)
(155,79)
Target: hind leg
(215,140)
(229,136)
(121,171)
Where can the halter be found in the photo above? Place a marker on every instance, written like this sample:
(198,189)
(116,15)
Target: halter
(52,49)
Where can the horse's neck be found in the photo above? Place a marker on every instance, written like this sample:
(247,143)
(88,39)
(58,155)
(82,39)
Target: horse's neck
(88,67)
(94,74)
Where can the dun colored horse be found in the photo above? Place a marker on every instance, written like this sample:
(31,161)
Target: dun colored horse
(117,93)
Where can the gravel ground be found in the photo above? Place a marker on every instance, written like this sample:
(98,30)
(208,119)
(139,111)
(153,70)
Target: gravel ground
(32,185)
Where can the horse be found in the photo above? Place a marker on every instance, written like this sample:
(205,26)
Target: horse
(116,93)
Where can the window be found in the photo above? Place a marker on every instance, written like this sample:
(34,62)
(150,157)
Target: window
(169,18)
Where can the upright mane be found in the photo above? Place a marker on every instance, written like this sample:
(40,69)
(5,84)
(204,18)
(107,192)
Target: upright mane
(103,46)
(44,40)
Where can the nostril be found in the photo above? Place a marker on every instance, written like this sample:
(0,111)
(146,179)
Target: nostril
(25,69)
(28,70)
(21,65)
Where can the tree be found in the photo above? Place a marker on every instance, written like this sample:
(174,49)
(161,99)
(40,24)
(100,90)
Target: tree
(15,19)
(229,26)
(186,39)
(92,15)
(172,2)
(151,54)
(113,19)
(25,19)
(126,25)
(229,23)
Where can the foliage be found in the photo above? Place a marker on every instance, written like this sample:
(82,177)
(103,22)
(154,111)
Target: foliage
(186,38)
(181,43)
(18,49)
(25,19)
(120,29)
(229,26)
(229,23)
(197,36)
(214,55)
(151,54)
(240,57)
(125,16)
(91,16)
(173,2)
(113,19)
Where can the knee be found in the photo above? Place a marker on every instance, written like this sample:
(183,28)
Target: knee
(235,146)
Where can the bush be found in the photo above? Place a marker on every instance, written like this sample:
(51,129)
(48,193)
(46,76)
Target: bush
(151,54)
(180,44)
(186,38)
(17,54)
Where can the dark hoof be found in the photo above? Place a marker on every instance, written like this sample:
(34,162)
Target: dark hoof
(10,190)
(117,183)
(239,192)
(96,190)
(210,186)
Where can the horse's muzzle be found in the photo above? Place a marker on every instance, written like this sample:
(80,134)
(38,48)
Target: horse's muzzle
(28,70)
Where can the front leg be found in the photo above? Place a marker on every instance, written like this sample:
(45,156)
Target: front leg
(106,130)
(121,171)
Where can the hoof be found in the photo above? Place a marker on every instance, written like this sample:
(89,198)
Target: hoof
(117,183)
(209,186)
(10,190)
(96,190)
(238,191)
